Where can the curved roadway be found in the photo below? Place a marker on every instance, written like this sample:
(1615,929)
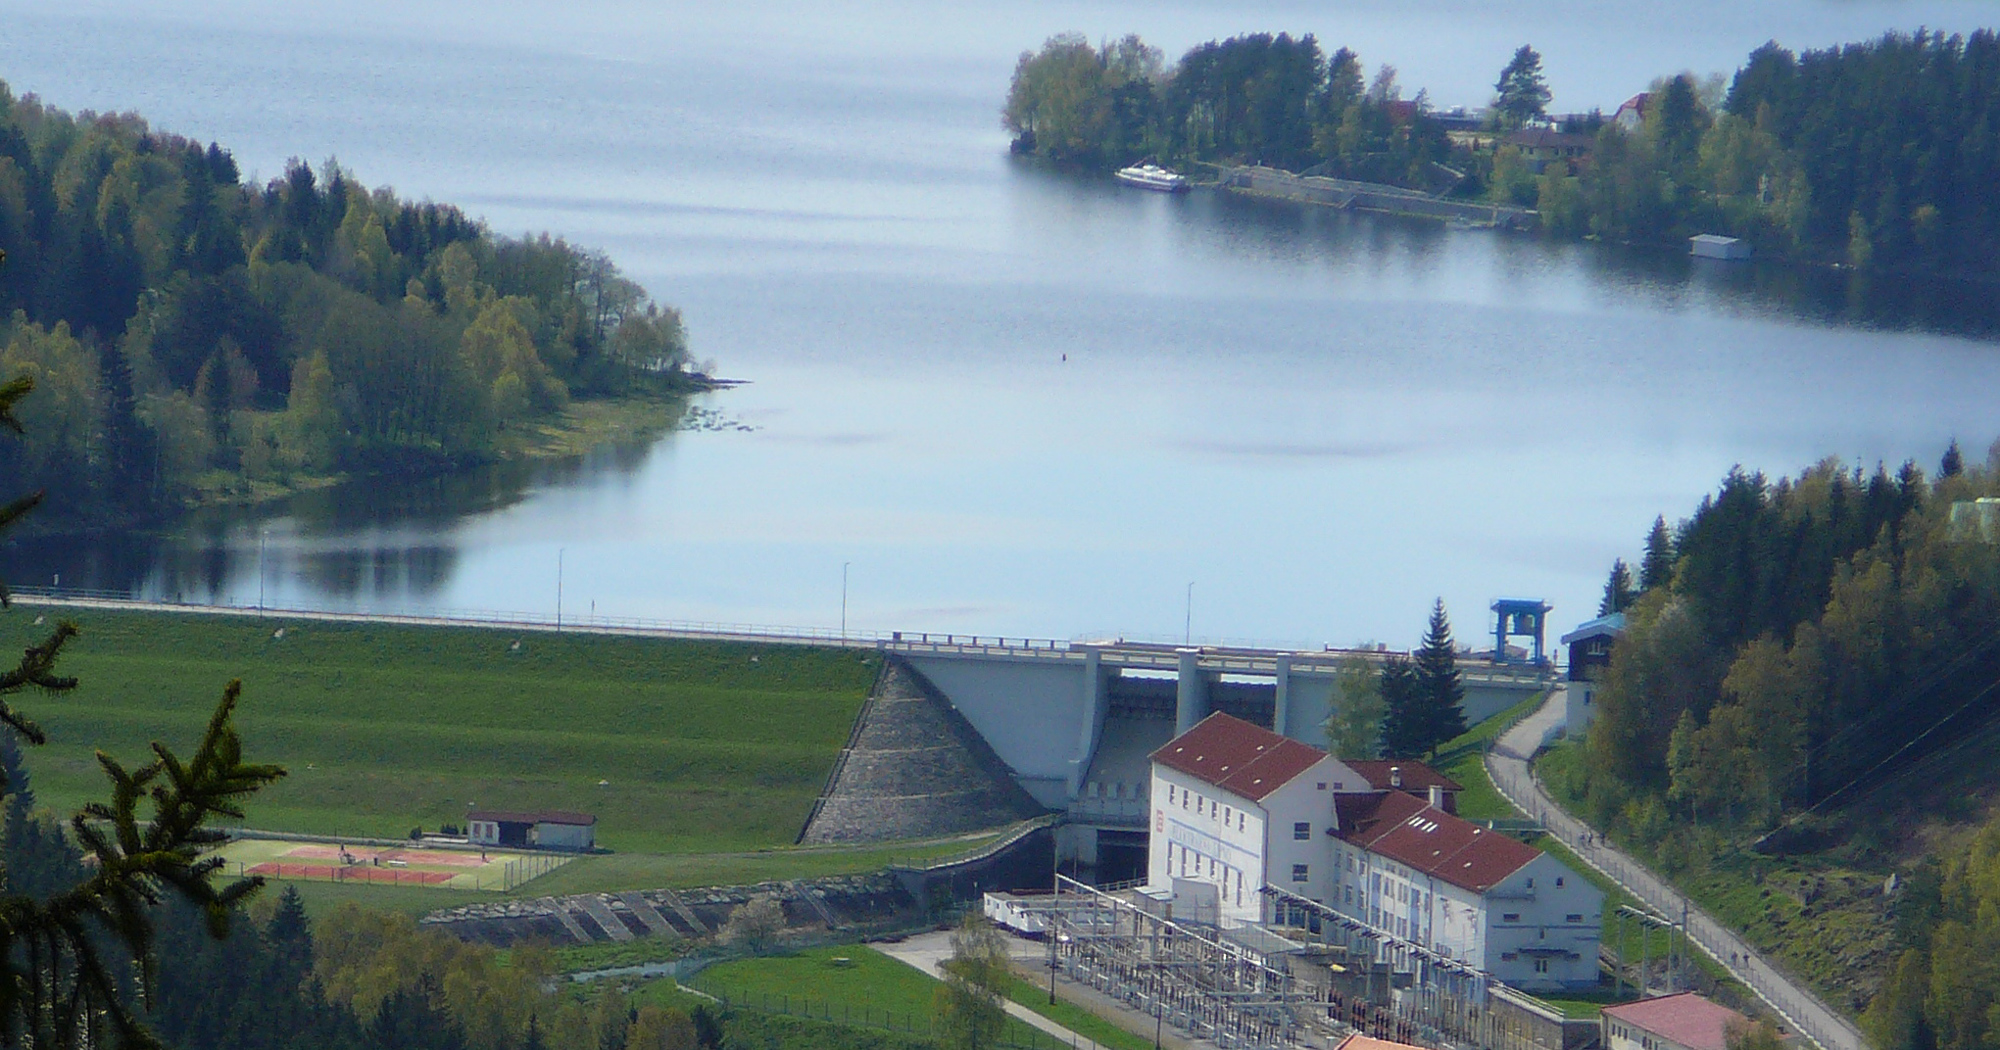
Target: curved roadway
(1508,765)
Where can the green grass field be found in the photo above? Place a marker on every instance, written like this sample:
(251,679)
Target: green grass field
(1463,759)
(701,747)
(868,988)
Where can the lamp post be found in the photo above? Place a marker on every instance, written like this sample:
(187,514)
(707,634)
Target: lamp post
(1187,626)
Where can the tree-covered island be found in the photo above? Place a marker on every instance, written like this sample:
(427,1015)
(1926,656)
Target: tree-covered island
(1883,154)
(195,337)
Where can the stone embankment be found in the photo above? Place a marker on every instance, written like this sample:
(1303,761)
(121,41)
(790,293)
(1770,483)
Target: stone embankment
(1372,196)
(914,768)
(833,903)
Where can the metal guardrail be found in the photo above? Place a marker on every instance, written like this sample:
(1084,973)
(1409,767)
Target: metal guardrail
(1115,651)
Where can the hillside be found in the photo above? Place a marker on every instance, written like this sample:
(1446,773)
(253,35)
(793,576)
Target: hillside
(1797,727)
(676,746)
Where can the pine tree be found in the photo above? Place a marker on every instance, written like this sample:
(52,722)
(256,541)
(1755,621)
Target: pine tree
(416,1019)
(1618,591)
(1658,567)
(1523,91)
(1438,682)
(1953,463)
(1403,718)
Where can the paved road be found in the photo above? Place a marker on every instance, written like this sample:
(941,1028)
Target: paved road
(927,951)
(1508,765)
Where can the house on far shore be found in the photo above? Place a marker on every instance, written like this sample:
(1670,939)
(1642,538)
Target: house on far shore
(1632,115)
(1542,147)
(545,829)
(1670,1022)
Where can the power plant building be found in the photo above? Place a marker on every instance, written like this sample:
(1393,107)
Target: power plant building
(1237,808)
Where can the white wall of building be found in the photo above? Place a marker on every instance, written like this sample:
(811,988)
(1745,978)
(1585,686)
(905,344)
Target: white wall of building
(1201,833)
(565,836)
(1543,926)
(1541,914)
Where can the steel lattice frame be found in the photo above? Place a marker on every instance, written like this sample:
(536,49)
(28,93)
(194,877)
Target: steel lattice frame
(1185,975)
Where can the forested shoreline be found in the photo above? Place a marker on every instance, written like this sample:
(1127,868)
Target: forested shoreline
(1876,155)
(1803,686)
(191,335)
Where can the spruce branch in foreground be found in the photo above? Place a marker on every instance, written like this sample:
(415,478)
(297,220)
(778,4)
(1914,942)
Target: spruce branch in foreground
(73,964)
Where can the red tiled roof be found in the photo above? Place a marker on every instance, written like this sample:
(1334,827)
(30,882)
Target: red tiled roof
(1407,830)
(1417,777)
(1687,1019)
(540,816)
(1241,758)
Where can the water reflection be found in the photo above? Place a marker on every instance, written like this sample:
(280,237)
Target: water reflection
(377,542)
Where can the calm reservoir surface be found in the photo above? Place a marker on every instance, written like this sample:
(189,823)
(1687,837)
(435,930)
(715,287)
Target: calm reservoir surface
(1009,400)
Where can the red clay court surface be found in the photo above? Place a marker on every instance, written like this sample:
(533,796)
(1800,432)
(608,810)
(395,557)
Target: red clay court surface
(351,873)
(428,858)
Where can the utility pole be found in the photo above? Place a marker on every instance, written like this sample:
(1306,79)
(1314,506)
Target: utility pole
(843,598)
(559,574)
(1187,625)
(262,533)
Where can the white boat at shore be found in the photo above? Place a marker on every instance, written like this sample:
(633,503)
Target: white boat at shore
(1153,177)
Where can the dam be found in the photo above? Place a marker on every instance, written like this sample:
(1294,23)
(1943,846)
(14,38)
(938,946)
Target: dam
(986,728)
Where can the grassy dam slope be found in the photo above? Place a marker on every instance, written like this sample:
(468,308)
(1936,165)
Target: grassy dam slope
(701,747)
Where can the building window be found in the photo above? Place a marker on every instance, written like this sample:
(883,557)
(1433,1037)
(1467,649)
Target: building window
(1348,895)
(1512,916)
(1302,831)
(1239,821)
(1531,884)
(1508,957)
(1298,873)
(1322,785)
(1541,966)
(1573,917)
(1170,794)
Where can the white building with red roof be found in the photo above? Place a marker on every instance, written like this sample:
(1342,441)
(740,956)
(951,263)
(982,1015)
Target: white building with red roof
(1237,807)
(1670,1022)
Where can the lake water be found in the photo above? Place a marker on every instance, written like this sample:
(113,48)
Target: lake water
(1010,401)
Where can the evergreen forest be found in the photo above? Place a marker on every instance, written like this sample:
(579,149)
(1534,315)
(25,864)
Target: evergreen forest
(190,333)
(1883,154)
(1806,678)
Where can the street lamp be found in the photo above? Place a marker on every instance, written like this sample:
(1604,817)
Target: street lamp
(1187,626)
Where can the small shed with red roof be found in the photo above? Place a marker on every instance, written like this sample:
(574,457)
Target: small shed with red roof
(1685,1021)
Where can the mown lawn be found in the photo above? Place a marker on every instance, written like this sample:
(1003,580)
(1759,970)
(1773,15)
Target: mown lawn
(676,746)
(1075,1018)
(1463,759)
(869,988)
